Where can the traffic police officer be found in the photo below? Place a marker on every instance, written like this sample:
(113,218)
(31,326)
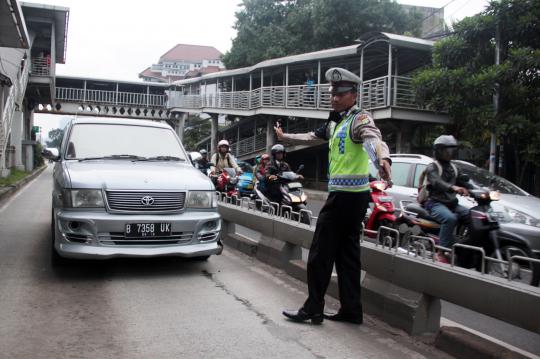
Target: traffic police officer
(353,139)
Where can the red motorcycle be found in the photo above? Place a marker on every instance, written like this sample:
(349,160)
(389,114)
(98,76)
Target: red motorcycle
(226,182)
(383,212)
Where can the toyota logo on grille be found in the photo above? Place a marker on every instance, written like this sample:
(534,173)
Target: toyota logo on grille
(147,201)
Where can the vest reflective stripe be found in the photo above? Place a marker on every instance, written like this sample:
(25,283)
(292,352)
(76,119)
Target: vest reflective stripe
(349,166)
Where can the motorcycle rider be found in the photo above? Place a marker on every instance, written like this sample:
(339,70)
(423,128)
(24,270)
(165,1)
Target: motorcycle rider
(203,164)
(443,185)
(223,159)
(260,171)
(276,166)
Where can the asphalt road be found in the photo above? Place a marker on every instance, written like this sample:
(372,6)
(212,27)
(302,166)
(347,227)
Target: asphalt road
(495,328)
(227,307)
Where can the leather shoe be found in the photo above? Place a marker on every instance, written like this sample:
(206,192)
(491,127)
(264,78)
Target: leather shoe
(301,316)
(343,317)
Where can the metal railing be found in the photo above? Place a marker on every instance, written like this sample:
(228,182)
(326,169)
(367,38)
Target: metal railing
(15,97)
(109,97)
(249,145)
(373,94)
(41,66)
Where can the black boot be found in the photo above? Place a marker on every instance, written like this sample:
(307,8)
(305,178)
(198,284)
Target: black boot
(301,316)
(344,317)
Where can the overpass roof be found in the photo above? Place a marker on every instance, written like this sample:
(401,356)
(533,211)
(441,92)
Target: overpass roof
(351,50)
(59,16)
(95,79)
(13,31)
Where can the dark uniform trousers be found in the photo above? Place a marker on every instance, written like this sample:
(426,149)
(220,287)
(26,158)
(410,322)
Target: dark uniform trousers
(336,240)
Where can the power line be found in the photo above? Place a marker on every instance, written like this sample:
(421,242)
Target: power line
(439,9)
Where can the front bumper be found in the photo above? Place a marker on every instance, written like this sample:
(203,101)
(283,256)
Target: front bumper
(100,235)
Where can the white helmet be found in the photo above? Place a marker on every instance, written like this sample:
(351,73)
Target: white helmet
(223,143)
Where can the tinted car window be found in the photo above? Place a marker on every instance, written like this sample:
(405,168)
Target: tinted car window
(101,140)
(400,173)
(483,178)
(419,170)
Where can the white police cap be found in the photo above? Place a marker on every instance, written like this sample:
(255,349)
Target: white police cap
(342,80)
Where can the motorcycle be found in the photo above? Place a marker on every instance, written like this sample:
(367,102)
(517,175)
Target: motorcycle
(246,180)
(292,195)
(226,182)
(479,230)
(383,211)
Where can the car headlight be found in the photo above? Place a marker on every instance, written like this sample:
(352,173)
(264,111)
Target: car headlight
(83,198)
(512,215)
(201,199)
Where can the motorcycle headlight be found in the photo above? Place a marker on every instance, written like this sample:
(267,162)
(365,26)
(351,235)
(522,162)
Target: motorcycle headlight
(201,199)
(512,215)
(83,198)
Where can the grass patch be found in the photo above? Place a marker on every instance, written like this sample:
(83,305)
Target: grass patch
(16,175)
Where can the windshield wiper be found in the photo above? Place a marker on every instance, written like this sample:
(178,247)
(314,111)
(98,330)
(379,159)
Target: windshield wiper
(114,157)
(164,158)
(90,158)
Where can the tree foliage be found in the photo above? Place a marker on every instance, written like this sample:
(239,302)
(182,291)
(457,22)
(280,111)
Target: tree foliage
(55,138)
(464,78)
(274,28)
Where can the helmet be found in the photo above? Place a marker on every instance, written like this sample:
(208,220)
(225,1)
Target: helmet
(445,147)
(277,148)
(265,157)
(223,143)
(203,152)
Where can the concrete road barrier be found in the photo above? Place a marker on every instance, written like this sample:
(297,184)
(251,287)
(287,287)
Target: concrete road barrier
(402,289)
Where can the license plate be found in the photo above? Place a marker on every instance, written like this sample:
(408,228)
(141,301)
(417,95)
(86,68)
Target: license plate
(249,186)
(145,230)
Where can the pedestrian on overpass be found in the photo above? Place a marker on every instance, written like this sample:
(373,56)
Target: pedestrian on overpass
(353,139)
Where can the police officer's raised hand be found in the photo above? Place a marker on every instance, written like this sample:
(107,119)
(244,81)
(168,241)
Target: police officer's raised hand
(279,131)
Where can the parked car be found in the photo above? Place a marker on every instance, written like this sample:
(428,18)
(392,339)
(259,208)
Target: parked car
(518,212)
(126,188)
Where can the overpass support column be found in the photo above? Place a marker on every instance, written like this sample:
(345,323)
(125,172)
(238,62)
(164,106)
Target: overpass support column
(270,138)
(180,125)
(213,143)
(17,136)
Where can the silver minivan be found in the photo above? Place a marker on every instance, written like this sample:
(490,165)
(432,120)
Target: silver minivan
(127,188)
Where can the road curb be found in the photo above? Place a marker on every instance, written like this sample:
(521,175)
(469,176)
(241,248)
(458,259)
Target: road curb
(8,191)
(462,343)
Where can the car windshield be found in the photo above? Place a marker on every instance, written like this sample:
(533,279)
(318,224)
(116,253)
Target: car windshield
(484,178)
(119,141)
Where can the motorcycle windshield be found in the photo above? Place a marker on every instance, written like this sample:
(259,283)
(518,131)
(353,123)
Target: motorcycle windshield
(289,175)
(230,171)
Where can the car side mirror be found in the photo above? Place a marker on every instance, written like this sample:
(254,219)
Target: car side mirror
(51,153)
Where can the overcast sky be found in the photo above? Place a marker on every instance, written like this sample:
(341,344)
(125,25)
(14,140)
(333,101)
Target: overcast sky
(117,39)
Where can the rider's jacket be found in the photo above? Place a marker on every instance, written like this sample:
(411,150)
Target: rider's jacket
(220,161)
(440,186)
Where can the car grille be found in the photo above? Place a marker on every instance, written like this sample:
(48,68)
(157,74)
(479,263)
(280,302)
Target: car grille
(118,238)
(133,201)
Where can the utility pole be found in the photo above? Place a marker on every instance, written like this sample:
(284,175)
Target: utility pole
(493,141)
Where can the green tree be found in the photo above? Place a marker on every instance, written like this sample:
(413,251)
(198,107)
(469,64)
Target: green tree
(195,130)
(464,78)
(55,136)
(274,28)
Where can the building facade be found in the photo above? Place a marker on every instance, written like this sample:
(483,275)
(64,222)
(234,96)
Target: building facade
(184,61)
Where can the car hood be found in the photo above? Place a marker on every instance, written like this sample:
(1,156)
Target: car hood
(526,204)
(136,175)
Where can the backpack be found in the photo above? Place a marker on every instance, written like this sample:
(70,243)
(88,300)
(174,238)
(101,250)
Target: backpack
(423,192)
